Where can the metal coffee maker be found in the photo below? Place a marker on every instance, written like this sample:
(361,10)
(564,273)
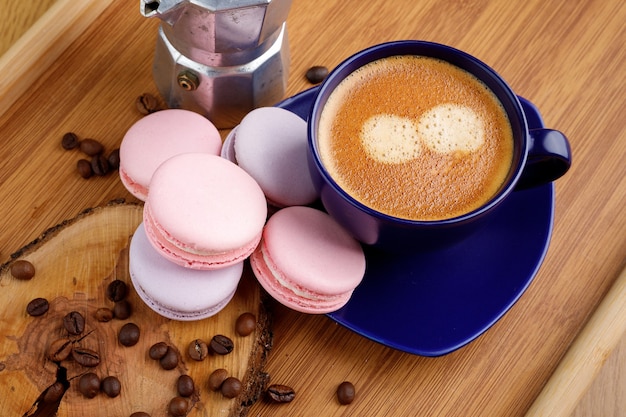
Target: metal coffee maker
(220,58)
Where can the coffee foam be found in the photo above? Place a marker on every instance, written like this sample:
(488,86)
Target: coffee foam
(449,128)
(424,179)
(390,139)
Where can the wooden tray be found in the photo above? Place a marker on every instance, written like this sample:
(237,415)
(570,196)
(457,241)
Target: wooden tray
(74,263)
(84,64)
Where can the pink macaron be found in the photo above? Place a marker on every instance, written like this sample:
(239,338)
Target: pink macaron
(270,144)
(307,261)
(157,137)
(204,212)
(176,292)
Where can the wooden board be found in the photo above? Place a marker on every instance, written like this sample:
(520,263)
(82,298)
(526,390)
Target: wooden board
(75,261)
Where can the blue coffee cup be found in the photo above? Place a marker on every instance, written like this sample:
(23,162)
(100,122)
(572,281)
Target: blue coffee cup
(539,156)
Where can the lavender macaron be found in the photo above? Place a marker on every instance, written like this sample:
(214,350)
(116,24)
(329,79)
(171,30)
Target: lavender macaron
(270,144)
(174,291)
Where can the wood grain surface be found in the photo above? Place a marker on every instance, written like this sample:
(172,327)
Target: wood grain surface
(18,17)
(565,56)
(75,262)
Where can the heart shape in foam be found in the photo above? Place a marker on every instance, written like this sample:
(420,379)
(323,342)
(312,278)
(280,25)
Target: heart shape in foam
(446,128)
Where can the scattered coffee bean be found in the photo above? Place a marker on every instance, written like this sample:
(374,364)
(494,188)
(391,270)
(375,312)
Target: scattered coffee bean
(59,350)
(245,324)
(91,147)
(185,386)
(117,290)
(85,356)
(53,393)
(198,350)
(281,393)
(37,307)
(178,407)
(316,74)
(345,393)
(114,159)
(69,141)
(139,414)
(111,386)
(216,379)
(89,385)
(147,103)
(22,270)
(169,360)
(99,165)
(221,345)
(104,314)
(122,310)
(74,323)
(158,350)
(231,387)
(129,334)
(84,168)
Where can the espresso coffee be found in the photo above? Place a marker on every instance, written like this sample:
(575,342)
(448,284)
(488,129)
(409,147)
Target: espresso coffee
(416,137)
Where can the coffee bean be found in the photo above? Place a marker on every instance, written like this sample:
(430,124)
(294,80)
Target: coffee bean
(129,334)
(316,74)
(117,290)
(169,360)
(37,307)
(122,310)
(178,407)
(281,393)
(22,270)
(53,393)
(99,165)
(139,414)
(111,386)
(345,393)
(147,103)
(158,350)
(198,350)
(114,159)
(69,141)
(231,387)
(217,378)
(245,324)
(91,147)
(185,386)
(221,345)
(104,314)
(74,323)
(84,168)
(59,350)
(89,385)
(85,356)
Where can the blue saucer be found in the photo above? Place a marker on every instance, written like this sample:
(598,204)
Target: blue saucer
(433,303)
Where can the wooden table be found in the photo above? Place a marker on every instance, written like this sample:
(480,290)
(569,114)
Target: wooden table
(85,70)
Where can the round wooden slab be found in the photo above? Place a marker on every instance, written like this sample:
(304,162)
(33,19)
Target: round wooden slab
(75,261)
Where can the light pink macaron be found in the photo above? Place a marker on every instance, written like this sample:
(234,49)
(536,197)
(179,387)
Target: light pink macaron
(204,212)
(307,261)
(159,136)
(176,292)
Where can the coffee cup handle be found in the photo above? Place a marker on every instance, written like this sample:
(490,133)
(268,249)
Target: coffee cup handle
(549,157)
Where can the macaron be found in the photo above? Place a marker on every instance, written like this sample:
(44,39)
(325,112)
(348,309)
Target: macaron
(157,137)
(204,212)
(307,261)
(177,292)
(270,144)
